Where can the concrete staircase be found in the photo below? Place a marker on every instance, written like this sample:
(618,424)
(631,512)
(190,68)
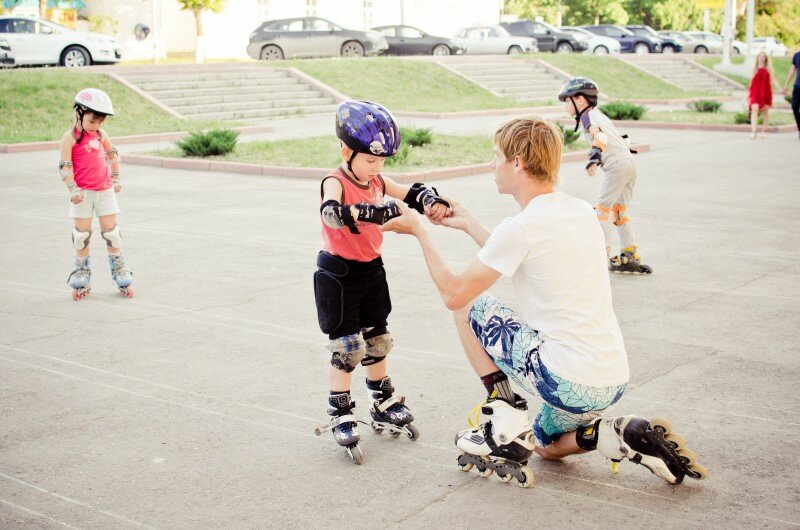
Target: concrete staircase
(683,73)
(516,79)
(239,93)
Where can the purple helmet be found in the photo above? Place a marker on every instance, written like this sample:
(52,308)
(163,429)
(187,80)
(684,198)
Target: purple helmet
(367,127)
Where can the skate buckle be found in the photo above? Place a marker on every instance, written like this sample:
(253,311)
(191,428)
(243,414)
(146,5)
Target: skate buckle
(615,467)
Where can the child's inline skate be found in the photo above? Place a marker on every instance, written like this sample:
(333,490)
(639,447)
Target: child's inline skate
(343,425)
(502,444)
(80,279)
(628,262)
(122,276)
(389,413)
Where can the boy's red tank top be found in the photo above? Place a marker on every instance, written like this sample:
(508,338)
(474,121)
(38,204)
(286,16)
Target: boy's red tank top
(89,165)
(341,242)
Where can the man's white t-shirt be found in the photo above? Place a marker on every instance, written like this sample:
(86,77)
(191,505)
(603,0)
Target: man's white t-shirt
(555,252)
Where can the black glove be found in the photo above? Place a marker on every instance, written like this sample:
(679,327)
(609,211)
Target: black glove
(418,197)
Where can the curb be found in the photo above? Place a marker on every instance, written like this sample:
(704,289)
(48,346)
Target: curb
(121,140)
(698,127)
(318,172)
(478,113)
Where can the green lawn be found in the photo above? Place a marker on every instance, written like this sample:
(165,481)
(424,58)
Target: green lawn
(780,64)
(615,77)
(324,151)
(401,84)
(37,106)
(704,118)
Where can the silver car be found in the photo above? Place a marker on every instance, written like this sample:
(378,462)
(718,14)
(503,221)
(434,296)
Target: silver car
(598,44)
(690,43)
(311,37)
(494,40)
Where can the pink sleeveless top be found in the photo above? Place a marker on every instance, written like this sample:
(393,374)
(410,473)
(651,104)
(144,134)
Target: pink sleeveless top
(341,242)
(89,163)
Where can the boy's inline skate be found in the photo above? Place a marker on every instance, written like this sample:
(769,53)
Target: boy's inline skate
(80,279)
(627,262)
(122,276)
(343,425)
(651,444)
(502,444)
(389,413)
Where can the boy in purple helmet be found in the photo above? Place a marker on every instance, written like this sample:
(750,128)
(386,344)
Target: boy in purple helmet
(350,287)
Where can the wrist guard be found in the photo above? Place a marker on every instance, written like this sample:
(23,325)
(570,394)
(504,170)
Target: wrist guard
(418,197)
(595,157)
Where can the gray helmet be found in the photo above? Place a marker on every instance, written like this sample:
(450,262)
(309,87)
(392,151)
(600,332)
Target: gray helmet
(579,86)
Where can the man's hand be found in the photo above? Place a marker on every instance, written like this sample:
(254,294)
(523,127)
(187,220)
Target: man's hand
(458,217)
(407,223)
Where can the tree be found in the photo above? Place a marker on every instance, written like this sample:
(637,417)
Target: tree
(197,7)
(547,9)
(595,11)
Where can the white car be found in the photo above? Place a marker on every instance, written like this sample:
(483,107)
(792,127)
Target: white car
(493,40)
(6,57)
(769,45)
(713,42)
(39,42)
(598,44)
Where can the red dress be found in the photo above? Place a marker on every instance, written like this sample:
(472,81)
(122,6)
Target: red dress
(760,89)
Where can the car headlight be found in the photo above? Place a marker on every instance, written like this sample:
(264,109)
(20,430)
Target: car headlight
(4,45)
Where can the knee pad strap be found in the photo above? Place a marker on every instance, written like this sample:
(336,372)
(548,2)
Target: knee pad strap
(113,237)
(619,215)
(378,344)
(602,212)
(347,352)
(80,239)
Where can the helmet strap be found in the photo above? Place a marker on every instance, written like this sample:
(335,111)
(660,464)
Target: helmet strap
(79,112)
(349,166)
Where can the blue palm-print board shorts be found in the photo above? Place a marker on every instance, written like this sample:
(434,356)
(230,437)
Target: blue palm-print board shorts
(514,347)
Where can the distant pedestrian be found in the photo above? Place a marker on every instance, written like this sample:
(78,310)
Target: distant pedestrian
(760,97)
(794,71)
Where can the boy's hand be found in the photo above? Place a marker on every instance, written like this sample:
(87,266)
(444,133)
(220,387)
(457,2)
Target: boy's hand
(437,212)
(406,223)
(591,170)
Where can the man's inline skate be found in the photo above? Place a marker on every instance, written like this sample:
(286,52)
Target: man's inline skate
(651,444)
(80,279)
(389,414)
(343,425)
(628,262)
(502,444)
(121,274)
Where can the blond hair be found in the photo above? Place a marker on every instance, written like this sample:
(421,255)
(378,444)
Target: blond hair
(538,144)
(767,64)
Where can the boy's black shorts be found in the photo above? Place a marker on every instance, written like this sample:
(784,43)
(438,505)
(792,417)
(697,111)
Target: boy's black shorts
(350,295)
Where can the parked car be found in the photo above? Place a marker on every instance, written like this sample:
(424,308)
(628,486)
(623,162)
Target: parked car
(311,37)
(769,45)
(408,40)
(629,42)
(493,39)
(548,38)
(38,42)
(668,45)
(6,56)
(598,44)
(690,44)
(714,42)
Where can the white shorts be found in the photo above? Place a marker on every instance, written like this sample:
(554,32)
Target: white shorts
(95,204)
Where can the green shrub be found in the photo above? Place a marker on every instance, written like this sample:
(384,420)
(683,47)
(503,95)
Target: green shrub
(623,111)
(401,156)
(211,143)
(416,137)
(569,134)
(743,118)
(705,105)
(788,99)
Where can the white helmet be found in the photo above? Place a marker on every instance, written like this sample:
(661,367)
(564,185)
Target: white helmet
(94,100)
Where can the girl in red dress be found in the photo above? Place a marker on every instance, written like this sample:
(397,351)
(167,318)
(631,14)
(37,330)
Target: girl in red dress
(761,92)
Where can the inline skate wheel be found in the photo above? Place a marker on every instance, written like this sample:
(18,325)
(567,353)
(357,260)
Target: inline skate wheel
(466,466)
(413,432)
(486,471)
(676,440)
(529,478)
(503,478)
(689,457)
(355,454)
(660,424)
(377,430)
(698,471)
(128,292)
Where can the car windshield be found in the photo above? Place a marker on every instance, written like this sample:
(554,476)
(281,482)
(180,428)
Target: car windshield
(59,27)
(578,30)
(625,31)
(500,31)
(548,26)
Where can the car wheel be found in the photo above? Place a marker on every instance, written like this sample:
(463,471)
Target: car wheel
(668,50)
(600,50)
(271,53)
(641,49)
(352,49)
(440,49)
(565,47)
(701,49)
(75,56)
(514,50)
(736,51)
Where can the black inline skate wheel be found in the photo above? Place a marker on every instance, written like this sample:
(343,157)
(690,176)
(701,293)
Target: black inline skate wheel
(413,432)
(355,454)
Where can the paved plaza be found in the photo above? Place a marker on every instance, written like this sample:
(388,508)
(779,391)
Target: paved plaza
(193,405)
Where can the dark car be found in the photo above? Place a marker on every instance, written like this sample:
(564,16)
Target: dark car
(408,40)
(548,38)
(668,44)
(628,41)
(311,37)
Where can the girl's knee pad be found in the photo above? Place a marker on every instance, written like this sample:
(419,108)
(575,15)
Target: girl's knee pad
(113,237)
(80,239)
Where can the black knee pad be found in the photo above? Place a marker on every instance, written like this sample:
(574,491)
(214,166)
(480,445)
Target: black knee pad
(347,352)
(378,344)
(328,291)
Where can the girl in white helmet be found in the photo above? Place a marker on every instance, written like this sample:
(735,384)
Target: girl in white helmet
(89,168)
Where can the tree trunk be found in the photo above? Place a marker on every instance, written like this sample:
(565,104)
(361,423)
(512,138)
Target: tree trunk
(596,19)
(42,8)
(200,48)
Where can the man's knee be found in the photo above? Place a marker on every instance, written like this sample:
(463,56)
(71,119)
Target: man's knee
(347,352)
